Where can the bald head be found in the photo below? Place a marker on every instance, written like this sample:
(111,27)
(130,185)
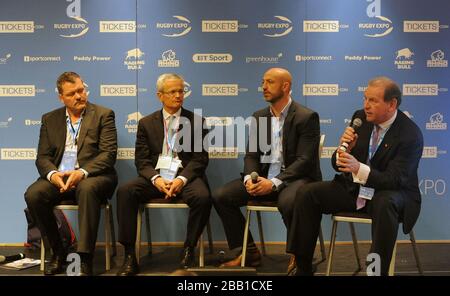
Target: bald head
(281,74)
(276,85)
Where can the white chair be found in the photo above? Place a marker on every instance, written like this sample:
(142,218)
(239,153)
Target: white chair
(356,217)
(259,206)
(161,203)
(109,232)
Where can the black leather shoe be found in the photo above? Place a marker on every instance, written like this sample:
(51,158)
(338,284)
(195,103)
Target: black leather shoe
(86,268)
(129,267)
(188,258)
(56,265)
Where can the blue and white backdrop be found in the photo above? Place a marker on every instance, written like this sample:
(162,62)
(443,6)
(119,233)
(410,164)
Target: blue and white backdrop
(222,49)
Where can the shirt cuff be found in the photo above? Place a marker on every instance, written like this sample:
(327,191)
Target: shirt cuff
(362,175)
(246,178)
(86,174)
(49,175)
(154,178)
(276,181)
(184,179)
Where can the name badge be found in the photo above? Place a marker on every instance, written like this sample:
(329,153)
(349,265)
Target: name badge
(366,192)
(171,172)
(164,162)
(68,161)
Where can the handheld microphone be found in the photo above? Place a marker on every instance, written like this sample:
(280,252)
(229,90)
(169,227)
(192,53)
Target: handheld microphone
(357,122)
(6,259)
(254,176)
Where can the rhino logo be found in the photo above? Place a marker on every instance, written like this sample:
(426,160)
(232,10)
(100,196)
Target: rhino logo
(405,53)
(134,117)
(437,55)
(135,53)
(436,118)
(168,55)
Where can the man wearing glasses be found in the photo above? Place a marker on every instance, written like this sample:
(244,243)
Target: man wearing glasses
(169,166)
(76,156)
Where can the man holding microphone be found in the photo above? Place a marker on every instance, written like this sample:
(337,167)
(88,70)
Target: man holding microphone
(378,164)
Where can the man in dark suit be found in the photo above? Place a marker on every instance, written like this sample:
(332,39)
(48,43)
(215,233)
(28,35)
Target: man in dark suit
(379,176)
(289,162)
(76,155)
(170,136)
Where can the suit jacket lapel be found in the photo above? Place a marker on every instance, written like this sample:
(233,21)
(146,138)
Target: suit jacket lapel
(158,128)
(287,126)
(85,125)
(61,133)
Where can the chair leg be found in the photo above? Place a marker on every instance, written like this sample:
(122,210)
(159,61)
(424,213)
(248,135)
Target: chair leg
(392,264)
(355,245)
(210,240)
(412,237)
(107,238)
(113,232)
(244,243)
(332,243)
(202,252)
(261,232)
(322,244)
(42,254)
(149,233)
(138,234)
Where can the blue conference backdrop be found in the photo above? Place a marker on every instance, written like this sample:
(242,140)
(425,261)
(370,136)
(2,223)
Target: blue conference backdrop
(222,48)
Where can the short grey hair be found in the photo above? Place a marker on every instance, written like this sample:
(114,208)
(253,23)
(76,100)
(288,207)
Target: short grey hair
(166,76)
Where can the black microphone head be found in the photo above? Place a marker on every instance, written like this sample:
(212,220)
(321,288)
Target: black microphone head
(357,122)
(254,176)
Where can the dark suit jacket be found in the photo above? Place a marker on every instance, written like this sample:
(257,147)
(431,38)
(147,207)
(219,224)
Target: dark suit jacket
(97,141)
(149,142)
(393,166)
(301,136)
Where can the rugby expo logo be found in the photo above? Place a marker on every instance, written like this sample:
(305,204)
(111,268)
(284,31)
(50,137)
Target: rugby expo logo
(436,122)
(175,29)
(73,30)
(378,29)
(278,29)
(403,59)
(168,59)
(133,59)
(437,60)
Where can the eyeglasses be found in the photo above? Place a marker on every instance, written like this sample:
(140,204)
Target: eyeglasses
(174,92)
